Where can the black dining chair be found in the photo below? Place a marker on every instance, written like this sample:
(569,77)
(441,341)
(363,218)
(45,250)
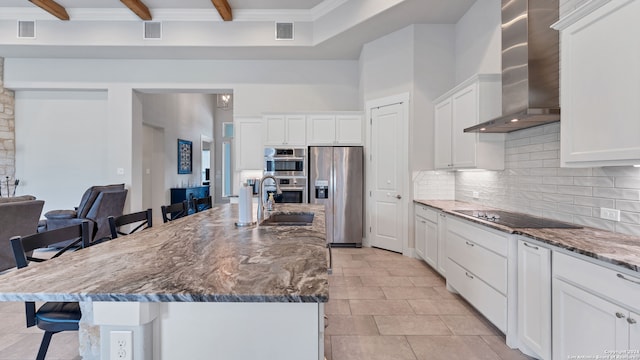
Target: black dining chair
(174,211)
(141,220)
(201,204)
(52,317)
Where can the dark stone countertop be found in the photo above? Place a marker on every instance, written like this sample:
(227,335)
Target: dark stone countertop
(203,257)
(613,248)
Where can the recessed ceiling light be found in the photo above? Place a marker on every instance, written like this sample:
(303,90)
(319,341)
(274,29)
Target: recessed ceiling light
(514,120)
(483,129)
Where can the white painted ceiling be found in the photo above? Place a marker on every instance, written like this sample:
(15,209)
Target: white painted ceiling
(344,44)
(175,4)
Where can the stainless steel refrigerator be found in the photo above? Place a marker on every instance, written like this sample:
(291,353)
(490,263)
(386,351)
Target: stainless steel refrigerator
(336,180)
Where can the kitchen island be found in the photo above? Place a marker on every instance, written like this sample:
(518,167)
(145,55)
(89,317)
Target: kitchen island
(197,288)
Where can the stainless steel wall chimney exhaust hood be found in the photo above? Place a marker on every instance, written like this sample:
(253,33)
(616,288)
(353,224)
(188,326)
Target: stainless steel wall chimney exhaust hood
(530,67)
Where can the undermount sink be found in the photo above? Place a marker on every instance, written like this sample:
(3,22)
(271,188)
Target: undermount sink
(280,219)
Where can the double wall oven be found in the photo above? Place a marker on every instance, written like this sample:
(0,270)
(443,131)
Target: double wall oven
(289,167)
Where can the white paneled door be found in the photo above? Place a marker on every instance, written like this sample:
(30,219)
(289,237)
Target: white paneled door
(387,190)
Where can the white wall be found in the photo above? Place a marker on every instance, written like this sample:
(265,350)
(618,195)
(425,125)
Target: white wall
(258,86)
(418,59)
(478,40)
(61,147)
(386,65)
(434,58)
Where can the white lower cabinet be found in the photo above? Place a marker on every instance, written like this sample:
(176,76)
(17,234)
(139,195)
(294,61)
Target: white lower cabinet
(634,333)
(429,244)
(479,269)
(534,299)
(595,310)
(491,303)
(420,235)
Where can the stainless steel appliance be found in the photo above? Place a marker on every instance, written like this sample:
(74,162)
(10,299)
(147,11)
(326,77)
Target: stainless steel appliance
(517,220)
(294,189)
(285,161)
(530,67)
(336,180)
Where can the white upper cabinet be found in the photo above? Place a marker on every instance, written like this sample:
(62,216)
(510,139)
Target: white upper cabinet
(285,130)
(334,129)
(600,84)
(249,153)
(476,100)
(442,133)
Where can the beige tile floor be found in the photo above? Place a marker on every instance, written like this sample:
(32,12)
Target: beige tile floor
(17,342)
(382,306)
(387,306)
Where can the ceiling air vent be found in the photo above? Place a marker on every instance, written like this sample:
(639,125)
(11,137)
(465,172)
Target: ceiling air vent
(284,31)
(152,30)
(26,29)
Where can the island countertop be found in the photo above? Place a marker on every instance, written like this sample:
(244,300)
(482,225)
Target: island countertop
(203,257)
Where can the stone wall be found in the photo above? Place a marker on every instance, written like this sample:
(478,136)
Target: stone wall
(7,131)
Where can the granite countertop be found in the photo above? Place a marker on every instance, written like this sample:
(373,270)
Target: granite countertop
(613,248)
(203,257)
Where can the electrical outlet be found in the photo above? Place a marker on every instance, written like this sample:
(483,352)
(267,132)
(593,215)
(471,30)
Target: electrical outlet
(121,345)
(610,214)
(476,194)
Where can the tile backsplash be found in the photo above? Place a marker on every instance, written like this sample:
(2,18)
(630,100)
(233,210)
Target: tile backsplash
(434,185)
(534,183)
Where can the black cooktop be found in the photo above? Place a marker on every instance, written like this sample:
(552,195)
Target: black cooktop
(517,220)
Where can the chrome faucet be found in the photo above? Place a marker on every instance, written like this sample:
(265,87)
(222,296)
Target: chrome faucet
(260,191)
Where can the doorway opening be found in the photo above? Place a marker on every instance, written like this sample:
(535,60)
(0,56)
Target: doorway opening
(206,143)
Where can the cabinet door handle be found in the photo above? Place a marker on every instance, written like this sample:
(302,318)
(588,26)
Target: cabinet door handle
(470,244)
(631,321)
(469,276)
(531,246)
(630,280)
(620,315)
(423,221)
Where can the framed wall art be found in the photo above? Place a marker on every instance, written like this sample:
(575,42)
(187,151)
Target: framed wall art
(185,156)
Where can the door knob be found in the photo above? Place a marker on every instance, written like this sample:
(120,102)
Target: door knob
(398,196)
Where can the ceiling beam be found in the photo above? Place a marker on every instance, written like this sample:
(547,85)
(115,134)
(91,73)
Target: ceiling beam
(52,8)
(138,8)
(224,9)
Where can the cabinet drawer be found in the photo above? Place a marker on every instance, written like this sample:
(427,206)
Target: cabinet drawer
(489,266)
(483,297)
(426,213)
(605,282)
(494,241)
